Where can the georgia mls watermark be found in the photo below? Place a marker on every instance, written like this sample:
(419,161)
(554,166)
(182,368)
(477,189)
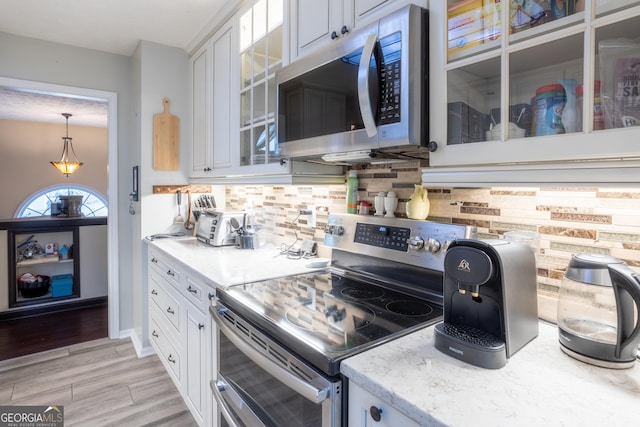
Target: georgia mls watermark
(31,416)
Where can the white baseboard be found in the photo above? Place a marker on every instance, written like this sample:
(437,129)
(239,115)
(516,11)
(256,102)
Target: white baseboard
(141,350)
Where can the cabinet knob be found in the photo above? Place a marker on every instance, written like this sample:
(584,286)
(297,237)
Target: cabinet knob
(170,310)
(376,413)
(432,146)
(334,35)
(171,359)
(200,326)
(344,29)
(155,334)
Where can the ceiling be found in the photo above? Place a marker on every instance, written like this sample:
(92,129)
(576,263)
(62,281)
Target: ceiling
(114,26)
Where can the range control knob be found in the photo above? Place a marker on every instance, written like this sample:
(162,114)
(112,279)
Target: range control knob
(432,245)
(336,230)
(416,243)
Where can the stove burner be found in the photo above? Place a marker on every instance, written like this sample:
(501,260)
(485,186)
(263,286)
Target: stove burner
(361,293)
(306,317)
(409,308)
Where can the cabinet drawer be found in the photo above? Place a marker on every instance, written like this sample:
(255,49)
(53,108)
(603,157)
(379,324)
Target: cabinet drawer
(167,302)
(167,352)
(164,269)
(198,292)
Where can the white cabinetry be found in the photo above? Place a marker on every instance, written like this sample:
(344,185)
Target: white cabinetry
(180,331)
(502,99)
(315,24)
(367,410)
(214,84)
(201,144)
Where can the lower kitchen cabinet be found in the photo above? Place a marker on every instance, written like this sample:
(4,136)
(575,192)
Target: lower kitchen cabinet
(367,410)
(180,330)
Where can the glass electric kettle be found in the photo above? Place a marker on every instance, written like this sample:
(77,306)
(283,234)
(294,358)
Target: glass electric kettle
(598,311)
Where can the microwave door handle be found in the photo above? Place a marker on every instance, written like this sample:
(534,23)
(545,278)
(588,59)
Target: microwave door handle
(227,397)
(363,86)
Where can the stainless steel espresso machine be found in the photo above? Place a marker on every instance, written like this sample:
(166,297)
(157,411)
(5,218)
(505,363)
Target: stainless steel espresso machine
(490,301)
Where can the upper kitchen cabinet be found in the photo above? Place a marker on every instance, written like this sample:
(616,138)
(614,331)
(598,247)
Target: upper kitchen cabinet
(533,82)
(234,103)
(213,71)
(317,23)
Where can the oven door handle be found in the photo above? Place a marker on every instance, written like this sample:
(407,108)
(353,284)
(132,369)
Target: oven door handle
(298,385)
(226,396)
(364,99)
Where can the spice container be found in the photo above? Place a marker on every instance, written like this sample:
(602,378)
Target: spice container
(550,100)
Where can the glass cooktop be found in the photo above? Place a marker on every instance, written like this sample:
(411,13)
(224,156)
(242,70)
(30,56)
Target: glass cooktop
(325,317)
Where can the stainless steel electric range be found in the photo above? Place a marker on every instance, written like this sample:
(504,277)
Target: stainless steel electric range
(280,341)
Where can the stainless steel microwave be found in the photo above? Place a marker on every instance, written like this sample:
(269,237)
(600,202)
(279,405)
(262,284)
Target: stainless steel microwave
(362,97)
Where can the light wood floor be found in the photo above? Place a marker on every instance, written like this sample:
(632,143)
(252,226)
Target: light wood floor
(99,383)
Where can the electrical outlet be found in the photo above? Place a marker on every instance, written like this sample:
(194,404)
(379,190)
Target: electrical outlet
(311,219)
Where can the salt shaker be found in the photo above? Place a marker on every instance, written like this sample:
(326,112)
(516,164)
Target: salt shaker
(390,204)
(378,202)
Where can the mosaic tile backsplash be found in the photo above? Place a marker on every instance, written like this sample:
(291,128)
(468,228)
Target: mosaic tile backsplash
(568,220)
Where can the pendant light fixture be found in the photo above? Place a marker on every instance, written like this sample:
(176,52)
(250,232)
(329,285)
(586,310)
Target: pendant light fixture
(64,165)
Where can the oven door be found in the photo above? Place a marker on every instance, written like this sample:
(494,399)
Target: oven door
(259,383)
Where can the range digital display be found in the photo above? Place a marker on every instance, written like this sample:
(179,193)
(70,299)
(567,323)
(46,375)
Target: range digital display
(383,236)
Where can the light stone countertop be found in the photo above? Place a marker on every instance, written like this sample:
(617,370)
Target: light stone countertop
(539,386)
(226,265)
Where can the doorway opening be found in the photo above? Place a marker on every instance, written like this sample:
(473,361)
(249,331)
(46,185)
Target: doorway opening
(34,89)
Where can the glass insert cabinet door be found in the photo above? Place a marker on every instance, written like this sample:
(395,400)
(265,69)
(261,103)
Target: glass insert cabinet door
(260,58)
(527,70)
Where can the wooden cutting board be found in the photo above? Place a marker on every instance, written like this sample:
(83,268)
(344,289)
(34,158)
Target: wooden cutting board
(166,140)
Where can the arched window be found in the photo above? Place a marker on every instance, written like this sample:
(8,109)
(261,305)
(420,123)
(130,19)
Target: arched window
(39,203)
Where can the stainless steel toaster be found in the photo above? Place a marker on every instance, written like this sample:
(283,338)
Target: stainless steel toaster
(215,229)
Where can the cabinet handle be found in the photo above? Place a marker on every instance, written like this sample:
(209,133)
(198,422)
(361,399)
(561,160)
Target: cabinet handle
(154,292)
(154,333)
(334,35)
(170,311)
(200,326)
(344,29)
(153,260)
(192,290)
(376,413)
(170,359)
(211,296)
(171,273)
(207,169)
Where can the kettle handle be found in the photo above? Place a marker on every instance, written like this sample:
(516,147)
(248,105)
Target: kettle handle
(625,279)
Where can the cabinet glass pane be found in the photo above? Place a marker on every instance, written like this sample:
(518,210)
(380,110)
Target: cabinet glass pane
(472,92)
(259,102)
(472,26)
(618,74)
(271,99)
(245,147)
(543,88)
(604,7)
(245,108)
(528,14)
(275,50)
(259,59)
(246,69)
(276,11)
(246,34)
(259,20)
